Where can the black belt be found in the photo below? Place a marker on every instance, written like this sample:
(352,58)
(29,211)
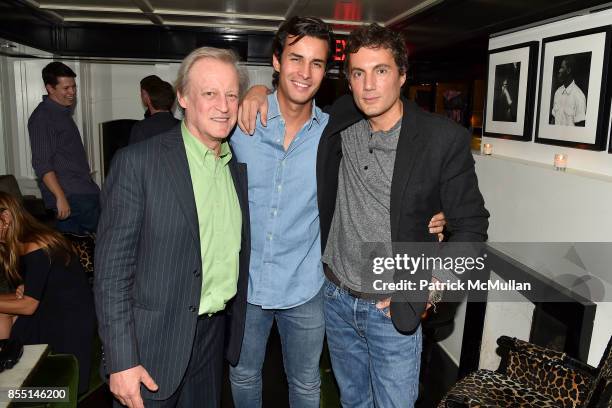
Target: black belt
(329,274)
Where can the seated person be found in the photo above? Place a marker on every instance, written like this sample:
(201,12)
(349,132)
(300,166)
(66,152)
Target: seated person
(55,306)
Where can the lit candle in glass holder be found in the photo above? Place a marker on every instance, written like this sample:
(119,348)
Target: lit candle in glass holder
(560,161)
(487,149)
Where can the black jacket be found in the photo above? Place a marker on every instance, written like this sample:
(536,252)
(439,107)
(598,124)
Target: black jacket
(433,172)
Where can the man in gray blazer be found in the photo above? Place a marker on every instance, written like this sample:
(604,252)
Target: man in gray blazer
(173,249)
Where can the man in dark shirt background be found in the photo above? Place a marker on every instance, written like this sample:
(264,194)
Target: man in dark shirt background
(158,96)
(58,155)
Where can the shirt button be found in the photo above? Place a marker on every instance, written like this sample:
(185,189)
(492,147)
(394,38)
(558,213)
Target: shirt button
(274,212)
(192,309)
(365,167)
(371,151)
(280,187)
(269,237)
(277,140)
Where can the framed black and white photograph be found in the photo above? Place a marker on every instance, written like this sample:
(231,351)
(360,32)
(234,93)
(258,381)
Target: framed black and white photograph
(574,98)
(510,91)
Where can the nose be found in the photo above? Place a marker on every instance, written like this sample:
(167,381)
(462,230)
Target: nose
(223,105)
(369,82)
(305,70)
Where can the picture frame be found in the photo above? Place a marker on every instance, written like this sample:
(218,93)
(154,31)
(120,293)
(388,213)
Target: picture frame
(574,89)
(511,85)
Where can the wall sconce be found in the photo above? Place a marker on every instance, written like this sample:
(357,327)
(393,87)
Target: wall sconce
(487,149)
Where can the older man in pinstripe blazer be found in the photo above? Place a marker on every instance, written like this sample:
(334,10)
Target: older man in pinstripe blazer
(173,249)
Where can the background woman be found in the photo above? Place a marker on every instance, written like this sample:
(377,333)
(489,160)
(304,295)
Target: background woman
(56,306)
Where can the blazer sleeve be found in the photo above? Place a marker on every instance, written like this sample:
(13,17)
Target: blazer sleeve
(122,203)
(462,201)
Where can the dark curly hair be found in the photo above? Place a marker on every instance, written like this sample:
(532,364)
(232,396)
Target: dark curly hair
(375,36)
(301,27)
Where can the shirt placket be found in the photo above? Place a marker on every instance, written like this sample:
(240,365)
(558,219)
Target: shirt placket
(268,273)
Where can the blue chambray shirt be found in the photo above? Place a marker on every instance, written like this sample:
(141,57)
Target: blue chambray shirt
(286,269)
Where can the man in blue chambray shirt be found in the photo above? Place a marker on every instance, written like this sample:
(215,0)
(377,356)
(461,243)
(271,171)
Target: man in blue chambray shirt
(286,273)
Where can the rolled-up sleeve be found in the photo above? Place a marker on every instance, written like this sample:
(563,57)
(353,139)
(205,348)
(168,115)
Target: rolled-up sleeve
(43,145)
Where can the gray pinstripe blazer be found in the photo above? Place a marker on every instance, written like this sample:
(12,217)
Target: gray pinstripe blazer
(148,265)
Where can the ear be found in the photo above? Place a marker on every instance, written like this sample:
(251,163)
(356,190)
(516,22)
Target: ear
(50,88)
(276,63)
(182,100)
(402,79)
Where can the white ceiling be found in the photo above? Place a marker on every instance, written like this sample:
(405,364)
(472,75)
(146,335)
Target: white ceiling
(260,15)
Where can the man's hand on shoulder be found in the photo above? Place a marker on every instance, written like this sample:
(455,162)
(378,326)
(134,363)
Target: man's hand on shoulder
(255,100)
(125,385)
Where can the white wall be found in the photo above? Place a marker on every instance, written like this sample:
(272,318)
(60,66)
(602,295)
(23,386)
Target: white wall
(596,162)
(105,92)
(530,202)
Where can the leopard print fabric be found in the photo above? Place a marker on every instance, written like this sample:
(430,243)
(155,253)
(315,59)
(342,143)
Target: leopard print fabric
(600,394)
(568,387)
(489,389)
(84,247)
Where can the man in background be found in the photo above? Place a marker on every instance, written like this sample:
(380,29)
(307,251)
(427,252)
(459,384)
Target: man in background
(569,103)
(158,96)
(58,155)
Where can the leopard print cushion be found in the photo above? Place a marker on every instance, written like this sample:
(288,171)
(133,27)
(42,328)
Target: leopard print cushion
(569,387)
(600,395)
(489,389)
(84,246)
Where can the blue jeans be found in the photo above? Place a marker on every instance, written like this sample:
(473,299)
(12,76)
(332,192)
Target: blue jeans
(374,364)
(84,214)
(301,329)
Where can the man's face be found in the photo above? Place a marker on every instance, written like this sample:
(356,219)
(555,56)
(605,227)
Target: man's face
(564,72)
(375,80)
(64,92)
(211,99)
(301,68)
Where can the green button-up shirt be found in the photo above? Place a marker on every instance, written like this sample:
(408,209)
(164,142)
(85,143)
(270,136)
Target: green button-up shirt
(219,218)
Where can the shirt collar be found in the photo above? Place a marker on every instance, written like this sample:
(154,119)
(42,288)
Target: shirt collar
(570,88)
(54,105)
(274,110)
(199,150)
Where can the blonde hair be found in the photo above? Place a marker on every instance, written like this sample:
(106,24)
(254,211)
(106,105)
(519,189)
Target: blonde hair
(25,228)
(220,54)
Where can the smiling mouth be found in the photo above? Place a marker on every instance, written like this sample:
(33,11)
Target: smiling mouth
(300,84)
(220,120)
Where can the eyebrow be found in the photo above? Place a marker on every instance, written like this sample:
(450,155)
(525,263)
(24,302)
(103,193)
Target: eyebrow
(376,67)
(293,54)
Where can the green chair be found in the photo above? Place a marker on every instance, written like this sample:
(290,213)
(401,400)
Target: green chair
(55,370)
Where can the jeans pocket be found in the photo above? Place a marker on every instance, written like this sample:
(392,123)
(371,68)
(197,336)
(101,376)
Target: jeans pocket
(385,311)
(331,290)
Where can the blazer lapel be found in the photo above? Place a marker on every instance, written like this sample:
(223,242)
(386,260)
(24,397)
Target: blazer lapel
(408,147)
(177,170)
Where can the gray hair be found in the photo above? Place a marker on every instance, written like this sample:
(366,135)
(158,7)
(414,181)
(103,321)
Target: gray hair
(220,54)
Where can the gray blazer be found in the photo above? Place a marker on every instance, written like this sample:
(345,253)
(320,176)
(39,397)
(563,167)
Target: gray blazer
(148,266)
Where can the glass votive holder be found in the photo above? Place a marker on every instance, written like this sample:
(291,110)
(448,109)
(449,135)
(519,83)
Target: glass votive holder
(487,149)
(560,162)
